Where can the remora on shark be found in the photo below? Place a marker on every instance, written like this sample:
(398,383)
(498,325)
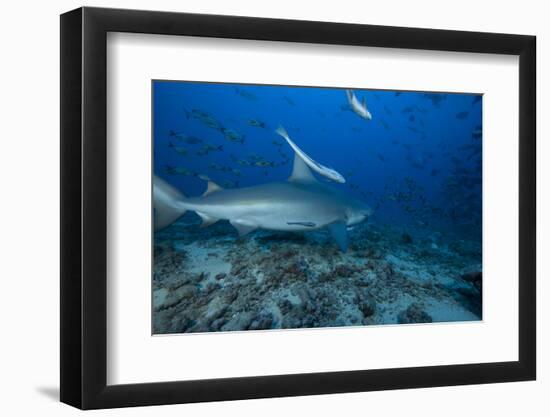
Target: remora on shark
(301,203)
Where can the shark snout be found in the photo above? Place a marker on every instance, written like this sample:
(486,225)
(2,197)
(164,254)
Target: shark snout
(358,216)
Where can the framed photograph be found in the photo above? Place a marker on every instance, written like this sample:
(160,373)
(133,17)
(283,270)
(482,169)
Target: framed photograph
(257,208)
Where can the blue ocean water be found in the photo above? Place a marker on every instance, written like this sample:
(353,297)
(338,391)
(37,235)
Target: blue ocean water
(416,162)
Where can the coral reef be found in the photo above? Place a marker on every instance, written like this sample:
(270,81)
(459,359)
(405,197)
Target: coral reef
(208,279)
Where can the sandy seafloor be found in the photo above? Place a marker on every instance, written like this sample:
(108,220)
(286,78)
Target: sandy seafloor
(209,279)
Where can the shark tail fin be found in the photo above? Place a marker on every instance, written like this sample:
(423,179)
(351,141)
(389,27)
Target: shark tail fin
(167,203)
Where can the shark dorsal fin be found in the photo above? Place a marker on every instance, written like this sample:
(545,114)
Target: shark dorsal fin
(300,171)
(212,188)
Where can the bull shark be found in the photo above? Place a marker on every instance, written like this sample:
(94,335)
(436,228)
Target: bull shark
(298,204)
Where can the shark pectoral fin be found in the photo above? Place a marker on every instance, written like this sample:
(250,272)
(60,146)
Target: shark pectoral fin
(207,220)
(243,227)
(340,234)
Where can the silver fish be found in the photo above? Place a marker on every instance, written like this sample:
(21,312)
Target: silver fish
(330,173)
(359,108)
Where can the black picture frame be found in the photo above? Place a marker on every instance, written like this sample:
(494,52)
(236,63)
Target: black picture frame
(84,207)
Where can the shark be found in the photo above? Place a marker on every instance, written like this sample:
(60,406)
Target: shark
(301,203)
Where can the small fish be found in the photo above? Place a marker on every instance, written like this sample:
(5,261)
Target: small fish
(256,123)
(179,171)
(416,162)
(421,110)
(263,164)
(359,108)
(285,161)
(305,224)
(435,98)
(192,140)
(241,162)
(289,100)
(229,184)
(407,109)
(208,147)
(462,114)
(477,133)
(204,117)
(181,151)
(211,123)
(218,167)
(196,114)
(384,123)
(381,157)
(215,166)
(398,93)
(468,147)
(233,135)
(246,94)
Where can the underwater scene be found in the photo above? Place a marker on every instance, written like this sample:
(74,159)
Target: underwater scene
(290,207)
